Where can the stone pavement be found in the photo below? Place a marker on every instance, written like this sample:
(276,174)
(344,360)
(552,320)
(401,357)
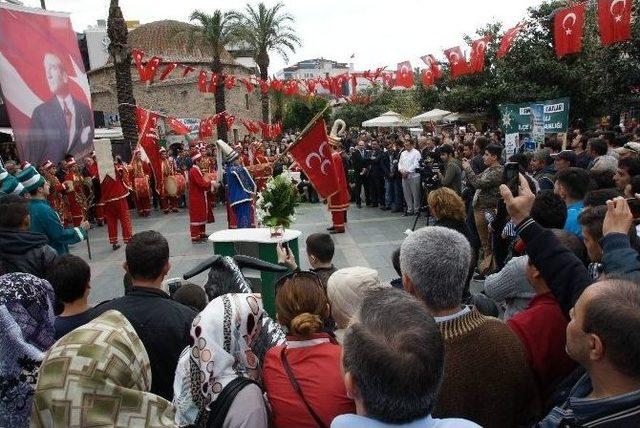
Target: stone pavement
(371,237)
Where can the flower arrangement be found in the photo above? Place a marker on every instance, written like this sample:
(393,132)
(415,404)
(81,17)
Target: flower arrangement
(276,204)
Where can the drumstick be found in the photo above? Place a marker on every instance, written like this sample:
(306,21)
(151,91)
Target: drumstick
(88,246)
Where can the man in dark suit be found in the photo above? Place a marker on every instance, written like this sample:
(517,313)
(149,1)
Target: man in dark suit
(360,164)
(60,125)
(376,175)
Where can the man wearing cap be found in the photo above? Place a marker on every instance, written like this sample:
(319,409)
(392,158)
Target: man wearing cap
(629,150)
(241,189)
(167,203)
(198,186)
(114,192)
(43,218)
(9,185)
(57,190)
(564,160)
(140,172)
(73,183)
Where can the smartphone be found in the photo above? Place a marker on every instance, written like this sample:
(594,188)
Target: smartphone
(511,176)
(634,206)
(285,245)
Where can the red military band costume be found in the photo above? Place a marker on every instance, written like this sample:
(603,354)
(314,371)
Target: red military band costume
(167,203)
(73,183)
(116,208)
(207,166)
(92,171)
(140,179)
(198,187)
(56,197)
(257,163)
(338,203)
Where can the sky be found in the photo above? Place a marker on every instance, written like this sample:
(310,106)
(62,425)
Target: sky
(379,33)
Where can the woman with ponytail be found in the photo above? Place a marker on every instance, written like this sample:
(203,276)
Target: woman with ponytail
(302,378)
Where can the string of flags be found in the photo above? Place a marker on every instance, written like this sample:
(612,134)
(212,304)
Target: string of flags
(614,24)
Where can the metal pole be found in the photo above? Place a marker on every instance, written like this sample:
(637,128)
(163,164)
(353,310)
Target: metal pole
(44,6)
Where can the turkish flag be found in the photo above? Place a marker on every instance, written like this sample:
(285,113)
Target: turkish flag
(228,120)
(457,62)
(507,40)
(229,82)
(478,54)
(432,65)
(313,153)
(167,70)
(311,85)
(187,69)
(567,32)
(149,70)
(404,75)
(614,21)
(202,81)
(264,87)
(137,55)
(177,126)
(206,127)
(247,84)
(147,139)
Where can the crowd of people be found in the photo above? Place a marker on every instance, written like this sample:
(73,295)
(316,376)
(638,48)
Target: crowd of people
(550,337)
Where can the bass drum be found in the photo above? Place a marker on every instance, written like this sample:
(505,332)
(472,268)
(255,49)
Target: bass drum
(142,188)
(175,185)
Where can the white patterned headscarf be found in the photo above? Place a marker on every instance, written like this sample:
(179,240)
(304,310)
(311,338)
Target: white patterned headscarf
(221,339)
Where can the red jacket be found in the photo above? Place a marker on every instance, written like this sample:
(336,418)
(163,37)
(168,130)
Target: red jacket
(316,366)
(542,331)
(340,200)
(114,189)
(198,186)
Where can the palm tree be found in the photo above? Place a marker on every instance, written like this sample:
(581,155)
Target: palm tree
(119,51)
(267,29)
(217,30)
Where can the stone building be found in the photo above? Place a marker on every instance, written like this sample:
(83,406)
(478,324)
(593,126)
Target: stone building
(176,96)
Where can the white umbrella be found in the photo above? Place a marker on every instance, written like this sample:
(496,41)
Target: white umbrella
(431,116)
(388,119)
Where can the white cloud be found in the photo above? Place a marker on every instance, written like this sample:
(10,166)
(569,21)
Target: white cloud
(379,33)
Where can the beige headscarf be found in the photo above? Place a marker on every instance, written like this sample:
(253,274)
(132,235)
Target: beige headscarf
(346,289)
(99,375)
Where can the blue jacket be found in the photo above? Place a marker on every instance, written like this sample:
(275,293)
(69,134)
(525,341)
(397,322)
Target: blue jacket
(46,221)
(241,185)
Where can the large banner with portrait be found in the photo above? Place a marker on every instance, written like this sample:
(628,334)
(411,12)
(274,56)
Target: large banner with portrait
(44,85)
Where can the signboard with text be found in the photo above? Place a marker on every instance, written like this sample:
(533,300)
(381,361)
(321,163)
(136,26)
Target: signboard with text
(517,117)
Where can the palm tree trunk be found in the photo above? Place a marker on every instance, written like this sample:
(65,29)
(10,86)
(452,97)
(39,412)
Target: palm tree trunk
(263,65)
(220,102)
(119,51)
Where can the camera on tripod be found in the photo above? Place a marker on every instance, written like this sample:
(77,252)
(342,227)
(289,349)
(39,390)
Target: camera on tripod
(429,175)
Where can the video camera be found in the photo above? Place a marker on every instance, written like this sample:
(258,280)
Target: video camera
(429,170)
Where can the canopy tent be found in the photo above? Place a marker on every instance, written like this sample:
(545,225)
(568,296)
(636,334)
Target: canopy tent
(388,119)
(434,115)
(454,117)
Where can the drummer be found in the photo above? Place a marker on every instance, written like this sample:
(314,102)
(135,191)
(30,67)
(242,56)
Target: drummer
(74,184)
(169,196)
(207,164)
(140,172)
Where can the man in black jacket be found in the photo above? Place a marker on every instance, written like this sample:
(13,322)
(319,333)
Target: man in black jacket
(359,164)
(20,249)
(376,175)
(162,324)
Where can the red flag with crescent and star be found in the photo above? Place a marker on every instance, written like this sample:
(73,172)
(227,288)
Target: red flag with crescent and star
(313,153)
(568,29)
(404,75)
(614,21)
(478,54)
(148,140)
(432,65)
(457,62)
(507,40)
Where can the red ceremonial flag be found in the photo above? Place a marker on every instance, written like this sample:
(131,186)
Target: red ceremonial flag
(313,153)
(614,21)
(507,40)
(202,81)
(478,54)
(568,26)
(432,65)
(457,62)
(147,139)
(177,126)
(149,71)
(168,69)
(404,75)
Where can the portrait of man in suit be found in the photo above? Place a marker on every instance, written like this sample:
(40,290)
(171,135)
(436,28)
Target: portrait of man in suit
(62,124)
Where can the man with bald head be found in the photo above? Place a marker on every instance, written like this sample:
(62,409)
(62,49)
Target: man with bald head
(62,124)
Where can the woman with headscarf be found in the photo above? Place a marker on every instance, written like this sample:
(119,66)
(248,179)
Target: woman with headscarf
(218,378)
(345,289)
(99,375)
(302,378)
(26,332)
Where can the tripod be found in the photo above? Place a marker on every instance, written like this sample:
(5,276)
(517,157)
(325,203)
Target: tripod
(427,211)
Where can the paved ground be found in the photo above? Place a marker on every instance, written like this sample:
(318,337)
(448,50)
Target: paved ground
(372,234)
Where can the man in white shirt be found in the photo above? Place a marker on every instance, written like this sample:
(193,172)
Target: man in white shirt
(409,162)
